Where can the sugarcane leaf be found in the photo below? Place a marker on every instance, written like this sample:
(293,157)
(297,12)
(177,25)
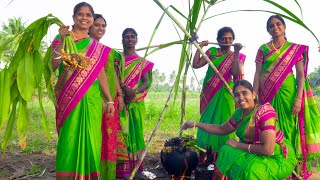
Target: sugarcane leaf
(26,77)
(22,122)
(5,95)
(10,124)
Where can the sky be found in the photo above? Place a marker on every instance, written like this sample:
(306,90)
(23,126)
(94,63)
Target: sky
(143,16)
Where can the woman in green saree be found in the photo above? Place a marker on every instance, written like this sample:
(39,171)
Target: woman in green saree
(262,152)
(137,80)
(79,102)
(113,150)
(292,98)
(216,103)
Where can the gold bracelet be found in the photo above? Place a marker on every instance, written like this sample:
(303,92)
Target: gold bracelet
(249,148)
(298,100)
(110,102)
(194,125)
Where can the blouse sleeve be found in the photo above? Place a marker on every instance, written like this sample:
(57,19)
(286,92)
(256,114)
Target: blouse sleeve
(259,57)
(208,53)
(300,58)
(55,43)
(267,118)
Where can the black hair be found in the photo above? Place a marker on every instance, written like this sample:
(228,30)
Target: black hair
(225,30)
(97,16)
(243,83)
(80,5)
(277,17)
(129,30)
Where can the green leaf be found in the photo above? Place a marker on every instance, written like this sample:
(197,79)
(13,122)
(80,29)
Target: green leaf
(48,75)
(38,66)
(22,122)
(44,117)
(9,128)
(26,77)
(5,95)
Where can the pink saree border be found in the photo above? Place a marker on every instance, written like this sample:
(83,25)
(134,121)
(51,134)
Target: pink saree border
(280,72)
(80,81)
(214,84)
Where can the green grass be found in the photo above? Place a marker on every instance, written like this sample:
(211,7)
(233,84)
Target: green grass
(37,141)
(169,128)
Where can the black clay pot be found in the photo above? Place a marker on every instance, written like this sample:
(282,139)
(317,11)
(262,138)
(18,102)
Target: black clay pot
(178,159)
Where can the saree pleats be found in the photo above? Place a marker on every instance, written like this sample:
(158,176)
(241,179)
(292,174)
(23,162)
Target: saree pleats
(219,110)
(79,145)
(238,165)
(135,141)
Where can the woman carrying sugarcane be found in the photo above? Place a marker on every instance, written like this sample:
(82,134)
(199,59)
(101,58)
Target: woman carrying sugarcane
(79,102)
(114,149)
(137,80)
(291,97)
(216,103)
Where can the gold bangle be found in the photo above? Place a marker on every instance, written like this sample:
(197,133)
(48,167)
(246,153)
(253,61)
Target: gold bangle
(249,148)
(194,125)
(298,100)
(110,102)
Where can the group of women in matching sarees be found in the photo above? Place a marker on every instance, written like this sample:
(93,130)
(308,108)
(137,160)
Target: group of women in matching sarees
(266,131)
(99,136)
(285,105)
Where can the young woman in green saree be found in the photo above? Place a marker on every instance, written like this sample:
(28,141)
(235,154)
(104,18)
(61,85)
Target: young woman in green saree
(292,98)
(262,152)
(216,103)
(79,102)
(113,150)
(137,80)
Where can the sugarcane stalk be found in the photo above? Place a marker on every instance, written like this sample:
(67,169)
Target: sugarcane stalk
(183,97)
(196,45)
(144,152)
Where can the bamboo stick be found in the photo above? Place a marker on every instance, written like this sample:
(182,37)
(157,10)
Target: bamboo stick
(156,46)
(152,136)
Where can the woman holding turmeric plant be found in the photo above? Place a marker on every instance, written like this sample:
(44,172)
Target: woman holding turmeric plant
(79,102)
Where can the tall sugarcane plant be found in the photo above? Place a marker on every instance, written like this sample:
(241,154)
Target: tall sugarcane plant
(189,39)
(22,77)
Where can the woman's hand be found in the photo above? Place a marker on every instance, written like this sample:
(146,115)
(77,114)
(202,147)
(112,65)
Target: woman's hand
(188,124)
(203,43)
(237,47)
(232,142)
(64,31)
(296,106)
(120,103)
(110,110)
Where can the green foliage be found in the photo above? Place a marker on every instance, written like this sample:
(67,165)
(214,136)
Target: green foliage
(23,76)
(314,79)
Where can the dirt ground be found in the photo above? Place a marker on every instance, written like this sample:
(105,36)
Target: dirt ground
(41,165)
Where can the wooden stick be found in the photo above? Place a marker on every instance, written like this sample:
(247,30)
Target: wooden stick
(156,46)
(144,152)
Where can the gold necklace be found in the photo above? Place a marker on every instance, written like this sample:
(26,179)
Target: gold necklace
(277,50)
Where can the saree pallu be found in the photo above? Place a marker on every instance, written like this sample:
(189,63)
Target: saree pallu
(237,164)
(135,68)
(279,87)
(112,143)
(216,103)
(78,114)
